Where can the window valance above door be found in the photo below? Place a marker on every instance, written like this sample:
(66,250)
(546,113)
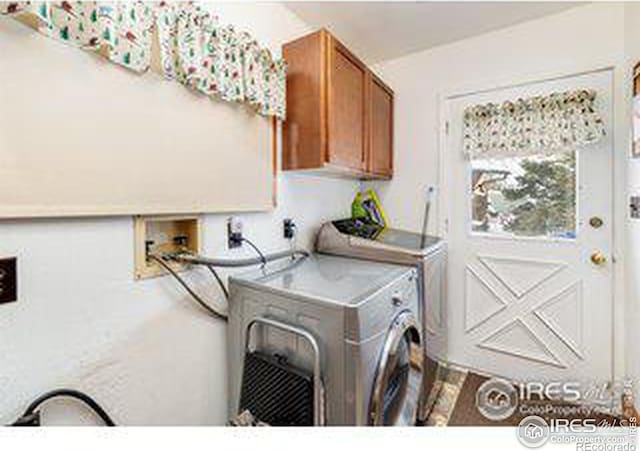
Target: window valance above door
(535,125)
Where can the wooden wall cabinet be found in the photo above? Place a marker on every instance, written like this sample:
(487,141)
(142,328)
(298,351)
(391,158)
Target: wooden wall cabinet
(339,114)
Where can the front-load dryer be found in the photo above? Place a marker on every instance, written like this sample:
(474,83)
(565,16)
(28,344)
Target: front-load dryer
(362,315)
(428,254)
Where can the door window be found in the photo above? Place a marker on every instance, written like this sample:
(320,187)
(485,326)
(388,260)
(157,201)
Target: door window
(532,196)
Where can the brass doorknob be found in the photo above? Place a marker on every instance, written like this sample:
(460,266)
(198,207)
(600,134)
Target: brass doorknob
(598,258)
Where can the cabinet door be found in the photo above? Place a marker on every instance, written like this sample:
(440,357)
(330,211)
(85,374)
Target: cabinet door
(347,80)
(380,161)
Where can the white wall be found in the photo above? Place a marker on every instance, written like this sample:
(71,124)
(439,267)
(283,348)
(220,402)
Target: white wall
(632,52)
(580,39)
(141,348)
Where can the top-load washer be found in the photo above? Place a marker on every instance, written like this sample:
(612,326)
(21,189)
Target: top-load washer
(361,320)
(360,239)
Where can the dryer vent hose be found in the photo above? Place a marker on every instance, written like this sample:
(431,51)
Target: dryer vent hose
(31,416)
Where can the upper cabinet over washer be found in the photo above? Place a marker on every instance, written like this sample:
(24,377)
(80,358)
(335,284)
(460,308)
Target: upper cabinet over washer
(339,114)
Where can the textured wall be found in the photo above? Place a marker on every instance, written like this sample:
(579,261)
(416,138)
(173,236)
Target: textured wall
(141,348)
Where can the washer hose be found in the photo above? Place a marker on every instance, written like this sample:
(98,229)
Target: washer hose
(211,263)
(31,416)
(213,312)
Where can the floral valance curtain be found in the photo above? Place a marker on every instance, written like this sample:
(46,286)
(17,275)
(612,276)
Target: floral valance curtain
(195,49)
(535,125)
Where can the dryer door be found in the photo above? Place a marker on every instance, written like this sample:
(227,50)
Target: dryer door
(398,384)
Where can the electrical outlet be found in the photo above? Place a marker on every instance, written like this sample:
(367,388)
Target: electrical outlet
(289,228)
(234,232)
(8,280)
(634,205)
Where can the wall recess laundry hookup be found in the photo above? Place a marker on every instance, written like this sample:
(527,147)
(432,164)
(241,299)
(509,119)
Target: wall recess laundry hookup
(163,234)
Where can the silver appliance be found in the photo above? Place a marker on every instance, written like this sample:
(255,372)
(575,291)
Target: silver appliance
(428,254)
(356,321)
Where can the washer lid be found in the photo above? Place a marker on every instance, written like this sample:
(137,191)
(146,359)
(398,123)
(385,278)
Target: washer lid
(337,280)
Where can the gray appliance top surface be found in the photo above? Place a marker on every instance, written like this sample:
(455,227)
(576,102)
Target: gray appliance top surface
(407,240)
(338,280)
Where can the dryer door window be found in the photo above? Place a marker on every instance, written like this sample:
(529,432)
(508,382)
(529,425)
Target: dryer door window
(398,383)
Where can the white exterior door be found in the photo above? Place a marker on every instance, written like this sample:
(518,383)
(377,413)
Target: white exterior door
(526,300)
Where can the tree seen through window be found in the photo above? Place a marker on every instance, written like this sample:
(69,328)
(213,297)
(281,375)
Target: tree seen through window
(525,196)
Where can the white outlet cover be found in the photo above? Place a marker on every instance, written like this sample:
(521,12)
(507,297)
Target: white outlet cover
(235,224)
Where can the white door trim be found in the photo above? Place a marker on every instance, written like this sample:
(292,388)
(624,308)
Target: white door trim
(619,159)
